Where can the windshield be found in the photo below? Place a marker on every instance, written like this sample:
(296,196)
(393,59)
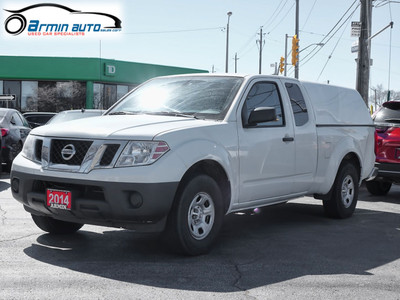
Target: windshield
(189,96)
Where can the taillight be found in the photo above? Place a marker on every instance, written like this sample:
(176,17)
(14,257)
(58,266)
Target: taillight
(393,131)
(4,131)
(376,142)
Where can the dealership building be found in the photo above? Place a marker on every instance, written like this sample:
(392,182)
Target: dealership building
(59,83)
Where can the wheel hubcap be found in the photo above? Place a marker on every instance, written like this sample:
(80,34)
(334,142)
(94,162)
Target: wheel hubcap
(347,191)
(201,216)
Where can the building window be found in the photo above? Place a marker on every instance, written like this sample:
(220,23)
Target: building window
(63,95)
(29,96)
(110,95)
(98,91)
(105,95)
(12,87)
(121,91)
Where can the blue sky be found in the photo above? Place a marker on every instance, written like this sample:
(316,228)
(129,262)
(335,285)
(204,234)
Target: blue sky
(192,34)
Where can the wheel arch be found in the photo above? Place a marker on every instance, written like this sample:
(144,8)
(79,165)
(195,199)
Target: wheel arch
(354,159)
(213,169)
(350,157)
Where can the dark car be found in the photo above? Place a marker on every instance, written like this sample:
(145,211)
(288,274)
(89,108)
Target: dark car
(36,119)
(69,115)
(387,148)
(14,130)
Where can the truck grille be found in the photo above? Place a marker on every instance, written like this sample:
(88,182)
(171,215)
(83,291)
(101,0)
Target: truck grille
(73,155)
(76,154)
(109,154)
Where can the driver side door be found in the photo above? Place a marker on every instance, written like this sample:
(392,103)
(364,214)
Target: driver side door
(266,150)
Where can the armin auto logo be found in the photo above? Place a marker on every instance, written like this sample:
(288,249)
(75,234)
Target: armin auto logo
(99,22)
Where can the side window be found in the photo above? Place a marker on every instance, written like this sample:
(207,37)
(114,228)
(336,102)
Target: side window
(263,94)
(299,107)
(16,120)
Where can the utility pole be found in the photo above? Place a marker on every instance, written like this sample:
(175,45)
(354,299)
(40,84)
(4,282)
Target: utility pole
(285,72)
(296,67)
(261,44)
(227,42)
(364,50)
(236,59)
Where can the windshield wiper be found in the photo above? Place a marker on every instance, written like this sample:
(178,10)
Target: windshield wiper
(123,113)
(173,113)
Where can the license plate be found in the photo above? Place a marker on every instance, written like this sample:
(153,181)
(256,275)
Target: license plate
(59,199)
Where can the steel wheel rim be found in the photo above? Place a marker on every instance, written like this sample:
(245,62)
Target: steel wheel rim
(201,216)
(348,188)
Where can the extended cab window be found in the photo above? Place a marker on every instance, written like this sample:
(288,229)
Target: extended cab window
(298,104)
(263,94)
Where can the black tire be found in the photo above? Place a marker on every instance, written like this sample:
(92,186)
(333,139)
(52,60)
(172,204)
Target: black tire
(344,194)
(54,226)
(196,217)
(378,188)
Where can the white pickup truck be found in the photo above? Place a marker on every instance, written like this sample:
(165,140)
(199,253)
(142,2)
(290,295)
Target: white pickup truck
(178,153)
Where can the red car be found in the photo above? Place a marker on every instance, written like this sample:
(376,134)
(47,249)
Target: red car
(387,148)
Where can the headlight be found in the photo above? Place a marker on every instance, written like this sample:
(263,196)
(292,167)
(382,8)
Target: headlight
(137,153)
(28,150)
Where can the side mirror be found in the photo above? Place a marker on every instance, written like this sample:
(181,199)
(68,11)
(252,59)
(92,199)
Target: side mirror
(262,115)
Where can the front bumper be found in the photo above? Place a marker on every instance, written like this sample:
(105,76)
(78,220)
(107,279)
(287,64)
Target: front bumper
(139,206)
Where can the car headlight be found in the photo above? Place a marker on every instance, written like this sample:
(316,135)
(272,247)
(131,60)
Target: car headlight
(140,153)
(28,150)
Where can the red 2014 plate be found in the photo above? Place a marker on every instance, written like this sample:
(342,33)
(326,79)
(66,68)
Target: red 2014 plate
(59,199)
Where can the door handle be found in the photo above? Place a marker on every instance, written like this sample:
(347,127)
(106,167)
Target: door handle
(288,139)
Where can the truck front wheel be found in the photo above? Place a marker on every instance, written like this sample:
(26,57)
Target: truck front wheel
(344,194)
(196,217)
(51,225)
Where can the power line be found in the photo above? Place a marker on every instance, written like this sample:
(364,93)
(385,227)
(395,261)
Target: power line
(384,2)
(309,14)
(274,14)
(333,50)
(390,50)
(328,37)
(273,17)
(251,39)
(288,11)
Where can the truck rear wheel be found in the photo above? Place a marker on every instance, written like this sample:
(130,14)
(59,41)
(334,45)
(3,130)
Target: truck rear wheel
(344,195)
(196,217)
(51,225)
(378,188)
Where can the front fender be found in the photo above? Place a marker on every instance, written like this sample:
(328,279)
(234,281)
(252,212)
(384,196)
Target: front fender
(215,143)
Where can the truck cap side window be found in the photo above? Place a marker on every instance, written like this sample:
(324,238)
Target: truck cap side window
(263,94)
(299,106)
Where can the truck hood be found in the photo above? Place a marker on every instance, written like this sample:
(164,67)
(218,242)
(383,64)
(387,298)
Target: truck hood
(125,127)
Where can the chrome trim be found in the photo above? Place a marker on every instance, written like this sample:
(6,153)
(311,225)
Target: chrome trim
(372,174)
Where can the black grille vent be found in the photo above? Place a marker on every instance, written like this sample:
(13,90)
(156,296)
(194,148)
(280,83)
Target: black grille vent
(79,190)
(81,148)
(109,154)
(38,150)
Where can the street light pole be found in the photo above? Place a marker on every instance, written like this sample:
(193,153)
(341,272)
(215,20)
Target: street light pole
(296,67)
(315,44)
(227,42)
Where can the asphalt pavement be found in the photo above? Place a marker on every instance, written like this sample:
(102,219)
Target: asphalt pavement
(289,251)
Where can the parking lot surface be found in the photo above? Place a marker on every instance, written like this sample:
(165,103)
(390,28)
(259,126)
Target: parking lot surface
(289,251)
